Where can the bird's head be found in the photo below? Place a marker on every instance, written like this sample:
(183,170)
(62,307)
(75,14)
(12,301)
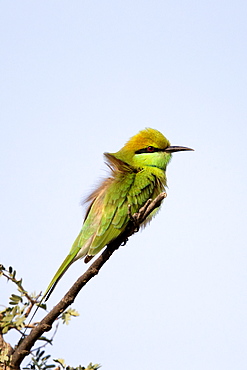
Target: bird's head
(148,148)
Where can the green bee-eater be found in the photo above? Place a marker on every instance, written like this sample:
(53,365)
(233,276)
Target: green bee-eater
(138,173)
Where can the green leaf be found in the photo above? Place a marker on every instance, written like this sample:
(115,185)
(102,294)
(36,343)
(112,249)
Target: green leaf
(42,305)
(66,316)
(15,299)
(5,330)
(60,361)
(20,322)
(45,339)
(39,354)
(73,312)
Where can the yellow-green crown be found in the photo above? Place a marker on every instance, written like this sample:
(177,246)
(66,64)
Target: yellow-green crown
(145,138)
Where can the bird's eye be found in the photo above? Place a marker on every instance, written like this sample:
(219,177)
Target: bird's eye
(148,149)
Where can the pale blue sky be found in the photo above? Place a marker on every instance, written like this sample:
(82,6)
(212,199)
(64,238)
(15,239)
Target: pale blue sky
(78,79)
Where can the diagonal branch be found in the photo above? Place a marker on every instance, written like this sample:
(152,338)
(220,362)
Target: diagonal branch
(23,349)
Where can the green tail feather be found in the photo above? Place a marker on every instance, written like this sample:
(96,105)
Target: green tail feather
(62,269)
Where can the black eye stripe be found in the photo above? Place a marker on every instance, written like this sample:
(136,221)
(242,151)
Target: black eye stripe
(149,150)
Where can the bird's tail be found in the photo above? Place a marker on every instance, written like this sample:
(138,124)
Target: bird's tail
(62,269)
(64,266)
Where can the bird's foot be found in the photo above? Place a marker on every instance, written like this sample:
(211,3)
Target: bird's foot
(134,219)
(125,242)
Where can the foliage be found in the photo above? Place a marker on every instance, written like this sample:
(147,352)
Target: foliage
(89,367)
(40,361)
(66,316)
(14,316)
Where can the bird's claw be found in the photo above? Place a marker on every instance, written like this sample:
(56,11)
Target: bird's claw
(124,242)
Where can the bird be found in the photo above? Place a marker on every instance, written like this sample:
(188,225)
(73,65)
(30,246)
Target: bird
(137,174)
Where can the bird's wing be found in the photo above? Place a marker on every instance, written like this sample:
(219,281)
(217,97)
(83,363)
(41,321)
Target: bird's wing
(133,189)
(107,215)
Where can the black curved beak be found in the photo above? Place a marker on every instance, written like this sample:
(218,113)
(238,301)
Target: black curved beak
(172,149)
